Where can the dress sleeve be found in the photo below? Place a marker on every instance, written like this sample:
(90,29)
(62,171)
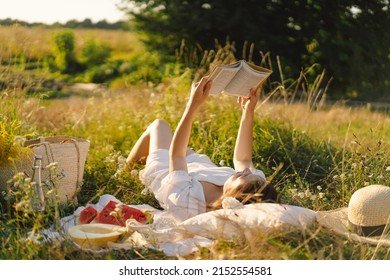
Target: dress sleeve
(181,195)
(259,172)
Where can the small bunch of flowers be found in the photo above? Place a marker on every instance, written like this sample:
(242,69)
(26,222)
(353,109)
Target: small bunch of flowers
(308,195)
(117,161)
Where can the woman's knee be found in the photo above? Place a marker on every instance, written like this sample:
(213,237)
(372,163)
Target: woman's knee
(160,135)
(159,124)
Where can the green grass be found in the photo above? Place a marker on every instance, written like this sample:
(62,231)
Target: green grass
(318,171)
(317,156)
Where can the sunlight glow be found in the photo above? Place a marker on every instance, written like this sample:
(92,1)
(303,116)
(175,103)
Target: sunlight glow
(50,11)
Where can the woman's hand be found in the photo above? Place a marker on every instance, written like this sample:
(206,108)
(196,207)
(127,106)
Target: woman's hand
(248,104)
(199,93)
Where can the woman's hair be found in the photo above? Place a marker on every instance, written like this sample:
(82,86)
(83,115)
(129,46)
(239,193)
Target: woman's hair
(251,192)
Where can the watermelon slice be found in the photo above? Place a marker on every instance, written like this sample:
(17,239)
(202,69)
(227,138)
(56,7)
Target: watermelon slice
(109,216)
(87,215)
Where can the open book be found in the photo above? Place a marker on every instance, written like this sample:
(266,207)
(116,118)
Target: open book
(236,79)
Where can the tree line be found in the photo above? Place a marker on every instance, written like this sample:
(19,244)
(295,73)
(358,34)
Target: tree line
(346,38)
(73,24)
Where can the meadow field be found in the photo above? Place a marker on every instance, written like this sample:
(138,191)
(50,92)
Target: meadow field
(316,156)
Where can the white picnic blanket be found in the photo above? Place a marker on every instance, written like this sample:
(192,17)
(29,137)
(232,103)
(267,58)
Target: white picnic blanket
(164,234)
(233,221)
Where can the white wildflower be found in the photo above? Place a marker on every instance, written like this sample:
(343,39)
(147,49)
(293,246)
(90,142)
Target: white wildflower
(145,191)
(313,197)
(388,168)
(52,166)
(19,139)
(118,173)
(109,160)
(20,206)
(134,172)
(114,213)
(19,174)
(319,188)
(301,194)
(222,163)
(118,207)
(321,195)
(230,203)
(121,160)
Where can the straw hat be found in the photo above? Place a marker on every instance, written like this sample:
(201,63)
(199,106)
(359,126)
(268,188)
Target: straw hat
(366,219)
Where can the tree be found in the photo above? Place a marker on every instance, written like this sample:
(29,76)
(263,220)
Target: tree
(95,52)
(344,37)
(64,51)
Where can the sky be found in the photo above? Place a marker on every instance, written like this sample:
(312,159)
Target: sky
(50,11)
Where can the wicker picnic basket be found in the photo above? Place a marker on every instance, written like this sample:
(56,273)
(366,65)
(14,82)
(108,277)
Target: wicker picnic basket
(70,154)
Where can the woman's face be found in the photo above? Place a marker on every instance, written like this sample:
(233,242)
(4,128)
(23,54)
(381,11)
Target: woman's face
(241,178)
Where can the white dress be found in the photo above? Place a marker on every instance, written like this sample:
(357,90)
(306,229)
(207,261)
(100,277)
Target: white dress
(180,192)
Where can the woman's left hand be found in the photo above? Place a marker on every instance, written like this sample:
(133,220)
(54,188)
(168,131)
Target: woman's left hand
(249,103)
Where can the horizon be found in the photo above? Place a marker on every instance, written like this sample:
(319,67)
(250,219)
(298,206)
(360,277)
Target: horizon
(61,22)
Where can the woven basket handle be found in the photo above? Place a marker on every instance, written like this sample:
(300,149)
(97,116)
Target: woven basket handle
(48,151)
(76,145)
(50,155)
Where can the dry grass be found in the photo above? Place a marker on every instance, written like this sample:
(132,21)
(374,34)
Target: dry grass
(336,124)
(37,42)
(16,40)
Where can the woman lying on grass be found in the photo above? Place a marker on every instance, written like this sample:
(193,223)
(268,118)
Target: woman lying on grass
(186,183)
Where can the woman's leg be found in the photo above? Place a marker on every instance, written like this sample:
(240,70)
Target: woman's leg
(158,135)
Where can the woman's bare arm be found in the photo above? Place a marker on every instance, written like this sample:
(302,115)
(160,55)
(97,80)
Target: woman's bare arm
(244,144)
(181,137)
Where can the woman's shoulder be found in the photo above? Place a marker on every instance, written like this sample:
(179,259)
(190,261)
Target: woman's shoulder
(199,158)
(177,175)
(258,172)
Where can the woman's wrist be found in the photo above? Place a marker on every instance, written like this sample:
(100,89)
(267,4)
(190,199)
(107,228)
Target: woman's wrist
(191,108)
(248,114)
(189,112)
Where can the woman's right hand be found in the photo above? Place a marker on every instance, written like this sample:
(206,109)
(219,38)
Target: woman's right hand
(199,93)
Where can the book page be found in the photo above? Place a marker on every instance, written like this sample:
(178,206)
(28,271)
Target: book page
(243,81)
(221,78)
(243,89)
